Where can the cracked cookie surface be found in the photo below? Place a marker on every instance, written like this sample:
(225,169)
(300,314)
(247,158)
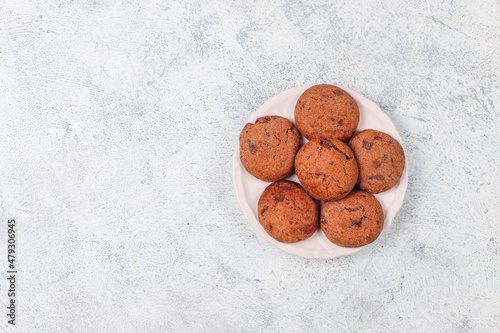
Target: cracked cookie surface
(353,221)
(326,112)
(287,212)
(381,160)
(268,148)
(326,169)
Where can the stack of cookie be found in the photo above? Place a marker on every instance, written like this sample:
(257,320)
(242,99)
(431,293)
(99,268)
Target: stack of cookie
(338,171)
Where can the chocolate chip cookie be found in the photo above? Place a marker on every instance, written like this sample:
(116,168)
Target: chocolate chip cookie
(326,169)
(353,221)
(381,160)
(268,148)
(287,212)
(326,112)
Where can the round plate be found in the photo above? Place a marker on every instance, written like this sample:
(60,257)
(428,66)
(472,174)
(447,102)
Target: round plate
(248,188)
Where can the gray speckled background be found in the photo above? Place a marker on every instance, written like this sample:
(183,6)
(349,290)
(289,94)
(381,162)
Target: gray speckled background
(118,121)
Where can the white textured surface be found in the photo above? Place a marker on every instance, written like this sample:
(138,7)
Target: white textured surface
(118,121)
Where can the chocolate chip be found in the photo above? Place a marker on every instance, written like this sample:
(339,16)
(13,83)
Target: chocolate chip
(322,175)
(263,210)
(279,198)
(391,142)
(331,145)
(393,165)
(252,146)
(263,120)
(378,177)
(377,137)
(367,145)
(341,122)
(337,92)
(328,145)
(386,157)
(349,209)
(267,133)
(285,185)
(356,222)
(290,222)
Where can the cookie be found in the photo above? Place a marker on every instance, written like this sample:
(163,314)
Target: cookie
(326,112)
(326,169)
(287,212)
(354,221)
(268,148)
(381,160)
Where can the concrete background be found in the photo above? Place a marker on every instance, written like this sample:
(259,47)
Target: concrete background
(118,121)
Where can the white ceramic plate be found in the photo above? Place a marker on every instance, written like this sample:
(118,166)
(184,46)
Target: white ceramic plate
(248,188)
